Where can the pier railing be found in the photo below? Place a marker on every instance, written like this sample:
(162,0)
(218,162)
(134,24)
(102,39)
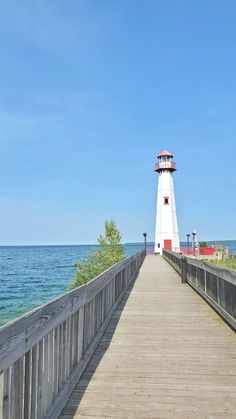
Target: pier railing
(44,352)
(216,285)
(174,260)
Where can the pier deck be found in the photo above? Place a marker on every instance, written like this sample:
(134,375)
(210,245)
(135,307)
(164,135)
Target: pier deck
(165,354)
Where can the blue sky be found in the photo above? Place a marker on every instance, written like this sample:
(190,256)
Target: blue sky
(91,92)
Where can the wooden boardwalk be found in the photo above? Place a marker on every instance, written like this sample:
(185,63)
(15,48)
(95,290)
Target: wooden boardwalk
(165,354)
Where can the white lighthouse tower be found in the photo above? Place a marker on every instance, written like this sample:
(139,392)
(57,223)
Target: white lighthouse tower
(166,234)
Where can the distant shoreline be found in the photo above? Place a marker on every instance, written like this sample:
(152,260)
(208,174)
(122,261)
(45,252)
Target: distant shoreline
(96,245)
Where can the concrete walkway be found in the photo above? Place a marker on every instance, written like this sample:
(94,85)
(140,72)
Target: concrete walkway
(165,354)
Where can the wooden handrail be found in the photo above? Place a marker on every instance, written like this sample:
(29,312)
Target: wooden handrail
(44,352)
(216,285)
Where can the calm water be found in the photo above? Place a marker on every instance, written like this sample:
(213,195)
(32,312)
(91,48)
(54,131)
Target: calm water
(32,275)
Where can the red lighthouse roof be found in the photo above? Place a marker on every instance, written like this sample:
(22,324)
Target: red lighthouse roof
(165,153)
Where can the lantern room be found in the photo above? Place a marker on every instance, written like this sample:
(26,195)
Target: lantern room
(165,162)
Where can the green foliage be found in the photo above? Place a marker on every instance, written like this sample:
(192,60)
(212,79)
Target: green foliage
(110,252)
(225,263)
(203,244)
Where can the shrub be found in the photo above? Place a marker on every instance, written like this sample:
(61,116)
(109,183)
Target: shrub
(203,244)
(110,252)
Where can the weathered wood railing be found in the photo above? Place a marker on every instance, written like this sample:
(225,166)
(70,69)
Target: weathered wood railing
(44,352)
(216,285)
(174,260)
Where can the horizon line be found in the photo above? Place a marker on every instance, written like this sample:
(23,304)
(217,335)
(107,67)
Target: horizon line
(96,244)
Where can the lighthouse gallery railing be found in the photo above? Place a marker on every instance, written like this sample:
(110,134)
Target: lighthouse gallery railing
(165,165)
(216,285)
(44,352)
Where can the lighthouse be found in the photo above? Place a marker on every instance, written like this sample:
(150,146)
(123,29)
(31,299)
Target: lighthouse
(166,234)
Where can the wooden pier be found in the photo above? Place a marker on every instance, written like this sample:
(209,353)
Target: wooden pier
(165,354)
(134,342)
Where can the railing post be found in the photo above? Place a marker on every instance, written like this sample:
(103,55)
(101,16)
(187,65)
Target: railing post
(183,270)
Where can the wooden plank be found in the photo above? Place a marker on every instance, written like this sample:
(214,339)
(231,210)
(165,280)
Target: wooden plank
(45,377)
(40,382)
(70,341)
(71,357)
(34,379)
(91,320)
(27,385)
(64,351)
(1,394)
(56,363)
(81,333)
(51,368)
(6,394)
(85,328)
(75,339)
(61,358)
(16,390)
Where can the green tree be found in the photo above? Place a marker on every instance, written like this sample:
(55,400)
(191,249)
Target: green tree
(110,252)
(203,244)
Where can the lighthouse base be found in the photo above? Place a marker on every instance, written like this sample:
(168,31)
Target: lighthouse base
(171,244)
(157,250)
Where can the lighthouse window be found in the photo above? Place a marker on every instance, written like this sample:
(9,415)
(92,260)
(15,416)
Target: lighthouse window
(166,200)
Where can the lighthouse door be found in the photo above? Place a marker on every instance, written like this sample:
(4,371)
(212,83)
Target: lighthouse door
(168,244)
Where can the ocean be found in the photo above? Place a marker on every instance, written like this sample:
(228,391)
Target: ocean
(33,275)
